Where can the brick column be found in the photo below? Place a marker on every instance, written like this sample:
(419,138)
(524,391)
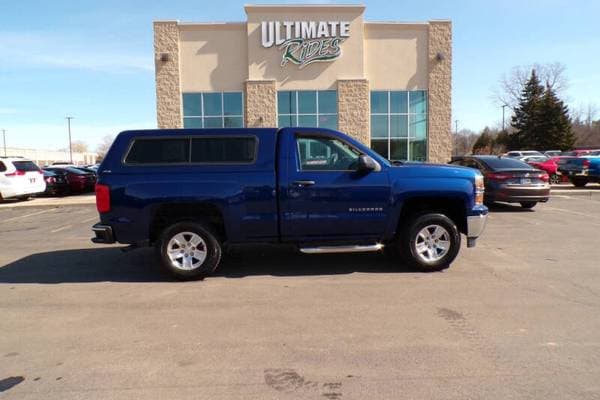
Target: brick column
(166,63)
(261,104)
(440,91)
(354,109)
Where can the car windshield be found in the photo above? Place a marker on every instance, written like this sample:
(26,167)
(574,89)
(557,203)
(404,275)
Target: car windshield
(505,163)
(25,166)
(536,159)
(74,170)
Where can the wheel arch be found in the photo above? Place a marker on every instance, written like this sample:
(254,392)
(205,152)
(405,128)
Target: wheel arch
(451,206)
(166,214)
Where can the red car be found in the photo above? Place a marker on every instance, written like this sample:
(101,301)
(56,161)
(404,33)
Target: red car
(550,165)
(79,180)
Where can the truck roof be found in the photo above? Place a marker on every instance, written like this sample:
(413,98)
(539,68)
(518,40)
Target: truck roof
(204,131)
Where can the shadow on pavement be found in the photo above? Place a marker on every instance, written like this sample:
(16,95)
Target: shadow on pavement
(509,207)
(111,264)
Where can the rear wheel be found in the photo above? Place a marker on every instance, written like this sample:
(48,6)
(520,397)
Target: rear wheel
(429,242)
(189,250)
(528,204)
(579,182)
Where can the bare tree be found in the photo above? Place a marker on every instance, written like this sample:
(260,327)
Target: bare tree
(462,142)
(511,84)
(104,145)
(78,146)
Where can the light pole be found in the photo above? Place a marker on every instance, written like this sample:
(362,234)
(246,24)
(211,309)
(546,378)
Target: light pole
(70,144)
(456,126)
(503,107)
(4,140)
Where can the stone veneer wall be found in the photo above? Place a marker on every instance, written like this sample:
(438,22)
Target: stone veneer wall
(440,92)
(168,89)
(354,108)
(261,104)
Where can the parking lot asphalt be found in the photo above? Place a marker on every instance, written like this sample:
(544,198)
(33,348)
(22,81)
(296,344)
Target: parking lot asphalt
(517,317)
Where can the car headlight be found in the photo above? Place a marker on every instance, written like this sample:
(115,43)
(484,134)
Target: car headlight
(479,189)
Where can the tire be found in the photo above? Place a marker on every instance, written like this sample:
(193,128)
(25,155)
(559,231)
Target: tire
(555,179)
(199,258)
(528,204)
(412,243)
(579,182)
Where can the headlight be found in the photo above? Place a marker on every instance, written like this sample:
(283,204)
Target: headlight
(479,189)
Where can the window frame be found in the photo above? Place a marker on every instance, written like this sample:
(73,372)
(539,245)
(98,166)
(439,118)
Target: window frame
(202,117)
(189,158)
(316,114)
(408,114)
(321,136)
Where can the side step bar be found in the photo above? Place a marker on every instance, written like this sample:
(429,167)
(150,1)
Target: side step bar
(341,249)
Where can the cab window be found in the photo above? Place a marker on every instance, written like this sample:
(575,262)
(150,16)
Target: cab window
(325,154)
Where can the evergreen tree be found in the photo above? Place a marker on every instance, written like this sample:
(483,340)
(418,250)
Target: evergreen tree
(526,119)
(555,125)
(484,142)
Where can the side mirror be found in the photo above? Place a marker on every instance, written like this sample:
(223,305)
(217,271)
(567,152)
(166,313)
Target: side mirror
(368,164)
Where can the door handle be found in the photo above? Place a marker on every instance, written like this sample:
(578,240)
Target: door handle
(304,183)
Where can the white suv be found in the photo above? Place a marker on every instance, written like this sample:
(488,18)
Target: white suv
(20,177)
(523,153)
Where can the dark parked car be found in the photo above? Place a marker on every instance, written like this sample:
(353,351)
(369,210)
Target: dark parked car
(79,180)
(56,183)
(509,180)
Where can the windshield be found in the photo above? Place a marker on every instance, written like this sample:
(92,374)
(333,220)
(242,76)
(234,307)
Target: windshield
(25,166)
(536,159)
(505,163)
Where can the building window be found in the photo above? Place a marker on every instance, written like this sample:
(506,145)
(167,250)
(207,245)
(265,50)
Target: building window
(399,124)
(213,110)
(310,108)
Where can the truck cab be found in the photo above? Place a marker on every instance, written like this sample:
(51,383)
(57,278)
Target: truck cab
(192,192)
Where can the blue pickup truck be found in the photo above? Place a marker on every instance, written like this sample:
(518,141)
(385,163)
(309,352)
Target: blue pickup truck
(191,192)
(580,170)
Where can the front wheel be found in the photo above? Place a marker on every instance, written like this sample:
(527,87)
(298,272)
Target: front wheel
(528,204)
(555,179)
(429,242)
(189,250)
(579,182)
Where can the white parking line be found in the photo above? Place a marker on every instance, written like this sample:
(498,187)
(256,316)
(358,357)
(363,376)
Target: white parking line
(62,228)
(587,215)
(28,215)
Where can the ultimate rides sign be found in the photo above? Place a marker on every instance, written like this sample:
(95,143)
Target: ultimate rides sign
(305,42)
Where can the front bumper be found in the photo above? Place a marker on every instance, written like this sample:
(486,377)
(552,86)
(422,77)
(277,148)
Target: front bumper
(475,227)
(573,172)
(104,234)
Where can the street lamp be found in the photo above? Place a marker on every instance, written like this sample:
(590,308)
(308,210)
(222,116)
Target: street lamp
(4,140)
(503,107)
(70,144)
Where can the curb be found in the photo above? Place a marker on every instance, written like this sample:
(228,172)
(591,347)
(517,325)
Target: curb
(584,193)
(53,202)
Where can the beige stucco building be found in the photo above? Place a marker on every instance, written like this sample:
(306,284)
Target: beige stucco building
(386,83)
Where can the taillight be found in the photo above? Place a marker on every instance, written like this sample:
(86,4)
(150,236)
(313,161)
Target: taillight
(544,177)
(586,163)
(479,189)
(50,179)
(498,176)
(102,198)
(16,173)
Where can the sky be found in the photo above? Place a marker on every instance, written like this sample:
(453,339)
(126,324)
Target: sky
(93,60)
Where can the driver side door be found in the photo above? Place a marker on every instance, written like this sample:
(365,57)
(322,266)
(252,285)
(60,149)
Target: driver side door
(324,197)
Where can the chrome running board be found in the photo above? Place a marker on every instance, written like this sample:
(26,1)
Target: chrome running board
(341,249)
